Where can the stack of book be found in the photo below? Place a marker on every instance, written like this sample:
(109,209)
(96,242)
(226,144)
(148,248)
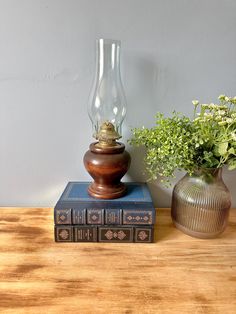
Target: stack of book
(80,218)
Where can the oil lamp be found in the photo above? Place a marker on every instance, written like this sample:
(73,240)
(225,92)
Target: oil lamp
(106,160)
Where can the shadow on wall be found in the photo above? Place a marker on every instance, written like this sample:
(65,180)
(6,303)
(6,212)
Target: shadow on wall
(161,196)
(136,171)
(142,92)
(229,180)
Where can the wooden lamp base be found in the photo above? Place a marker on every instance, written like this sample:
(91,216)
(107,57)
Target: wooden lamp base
(107,165)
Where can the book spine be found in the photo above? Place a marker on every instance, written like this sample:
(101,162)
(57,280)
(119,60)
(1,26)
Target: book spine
(109,216)
(104,233)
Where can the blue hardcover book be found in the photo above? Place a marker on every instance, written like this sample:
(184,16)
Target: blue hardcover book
(77,207)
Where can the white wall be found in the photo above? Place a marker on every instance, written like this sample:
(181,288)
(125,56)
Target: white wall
(172,52)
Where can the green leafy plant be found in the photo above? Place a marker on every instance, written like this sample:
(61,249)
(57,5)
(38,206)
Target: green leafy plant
(208,140)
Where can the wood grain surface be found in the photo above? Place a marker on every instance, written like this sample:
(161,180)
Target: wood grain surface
(177,274)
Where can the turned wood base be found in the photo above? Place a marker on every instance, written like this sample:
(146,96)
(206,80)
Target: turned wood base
(106,192)
(107,165)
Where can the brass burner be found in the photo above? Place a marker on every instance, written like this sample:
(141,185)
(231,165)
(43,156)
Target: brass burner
(107,135)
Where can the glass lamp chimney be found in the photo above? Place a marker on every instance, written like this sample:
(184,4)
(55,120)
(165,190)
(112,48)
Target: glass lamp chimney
(107,103)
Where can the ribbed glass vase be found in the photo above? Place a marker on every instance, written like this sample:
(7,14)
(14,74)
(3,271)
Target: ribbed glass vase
(200,204)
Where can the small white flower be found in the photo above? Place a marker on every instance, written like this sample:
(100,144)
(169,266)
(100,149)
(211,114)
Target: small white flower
(221,97)
(222,123)
(221,112)
(227,98)
(222,107)
(233,135)
(208,116)
(233,115)
(195,102)
(229,120)
(213,106)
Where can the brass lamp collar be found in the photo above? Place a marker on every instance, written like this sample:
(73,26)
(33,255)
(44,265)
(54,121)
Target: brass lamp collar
(107,135)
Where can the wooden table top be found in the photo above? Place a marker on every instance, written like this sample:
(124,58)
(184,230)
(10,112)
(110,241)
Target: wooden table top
(177,274)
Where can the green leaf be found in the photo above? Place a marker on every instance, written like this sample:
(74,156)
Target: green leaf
(232,164)
(231,151)
(216,151)
(222,148)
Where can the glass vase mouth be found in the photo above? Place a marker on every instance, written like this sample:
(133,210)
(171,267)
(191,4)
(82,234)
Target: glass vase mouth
(212,171)
(207,174)
(108,41)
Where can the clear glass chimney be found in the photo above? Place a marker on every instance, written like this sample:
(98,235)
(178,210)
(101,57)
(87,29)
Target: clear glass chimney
(107,103)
